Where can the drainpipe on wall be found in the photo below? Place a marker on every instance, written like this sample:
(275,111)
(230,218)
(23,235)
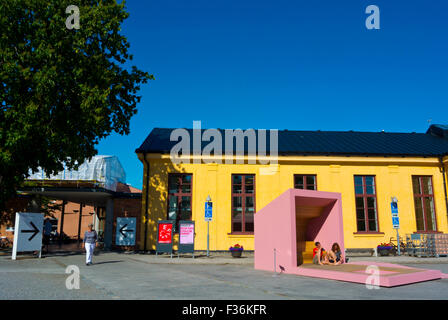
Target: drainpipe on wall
(146,201)
(444,175)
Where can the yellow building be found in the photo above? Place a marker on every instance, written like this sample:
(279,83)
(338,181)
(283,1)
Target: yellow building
(367,168)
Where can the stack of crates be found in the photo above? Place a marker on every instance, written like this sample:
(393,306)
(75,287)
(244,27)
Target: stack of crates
(441,244)
(426,245)
(430,245)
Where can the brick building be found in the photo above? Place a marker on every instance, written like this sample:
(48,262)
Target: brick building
(74,216)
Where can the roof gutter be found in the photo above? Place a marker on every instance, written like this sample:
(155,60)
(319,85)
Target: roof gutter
(146,201)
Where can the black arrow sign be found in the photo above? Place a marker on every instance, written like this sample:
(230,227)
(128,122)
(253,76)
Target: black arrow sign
(127,230)
(34,231)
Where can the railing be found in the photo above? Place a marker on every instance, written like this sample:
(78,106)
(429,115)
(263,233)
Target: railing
(64,183)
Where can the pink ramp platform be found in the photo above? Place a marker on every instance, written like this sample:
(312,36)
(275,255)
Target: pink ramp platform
(283,227)
(388,275)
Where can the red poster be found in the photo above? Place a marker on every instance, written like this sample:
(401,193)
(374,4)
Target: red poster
(165,232)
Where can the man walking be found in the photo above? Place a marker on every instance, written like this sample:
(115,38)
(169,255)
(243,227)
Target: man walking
(89,243)
(48,228)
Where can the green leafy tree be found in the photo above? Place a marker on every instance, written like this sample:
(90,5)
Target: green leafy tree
(62,89)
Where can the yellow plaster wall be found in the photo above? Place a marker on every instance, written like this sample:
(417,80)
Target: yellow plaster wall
(393,178)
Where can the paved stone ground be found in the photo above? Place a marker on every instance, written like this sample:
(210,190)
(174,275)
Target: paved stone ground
(138,276)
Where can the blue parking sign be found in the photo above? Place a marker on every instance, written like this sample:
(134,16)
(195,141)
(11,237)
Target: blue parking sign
(396,222)
(395,219)
(394,208)
(208,211)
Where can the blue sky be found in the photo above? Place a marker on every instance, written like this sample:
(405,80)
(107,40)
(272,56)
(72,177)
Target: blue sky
(298,65)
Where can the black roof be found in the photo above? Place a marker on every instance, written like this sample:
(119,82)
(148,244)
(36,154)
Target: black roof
(439,130)
(327,143)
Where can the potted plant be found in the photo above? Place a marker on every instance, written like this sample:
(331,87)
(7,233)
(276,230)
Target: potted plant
(384,249)
(236,250)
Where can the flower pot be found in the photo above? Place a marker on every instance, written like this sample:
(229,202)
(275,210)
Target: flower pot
(383,252)
(236,253)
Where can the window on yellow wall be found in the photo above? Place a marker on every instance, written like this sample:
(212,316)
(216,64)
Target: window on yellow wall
(366,204)
(302,181)
(179,198)
(425,212)
(243,203)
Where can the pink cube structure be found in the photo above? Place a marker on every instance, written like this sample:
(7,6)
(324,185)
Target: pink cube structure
(297,217)
(283,227)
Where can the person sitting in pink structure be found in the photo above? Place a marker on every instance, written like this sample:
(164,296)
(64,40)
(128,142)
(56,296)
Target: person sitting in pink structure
(333,257)
(319,255)
(335,254)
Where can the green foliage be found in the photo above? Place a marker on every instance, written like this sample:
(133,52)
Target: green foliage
(49,207)
(61,90)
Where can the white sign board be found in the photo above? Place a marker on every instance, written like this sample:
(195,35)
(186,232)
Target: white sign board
(27,232)
(126,228)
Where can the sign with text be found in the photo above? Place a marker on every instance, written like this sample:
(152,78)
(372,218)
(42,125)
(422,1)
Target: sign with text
(186,231)
(186,237)
(126,229)
(164,236)
(27,232)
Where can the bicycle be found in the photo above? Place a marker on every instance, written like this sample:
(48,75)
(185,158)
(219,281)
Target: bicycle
(394,244)
(5,243)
